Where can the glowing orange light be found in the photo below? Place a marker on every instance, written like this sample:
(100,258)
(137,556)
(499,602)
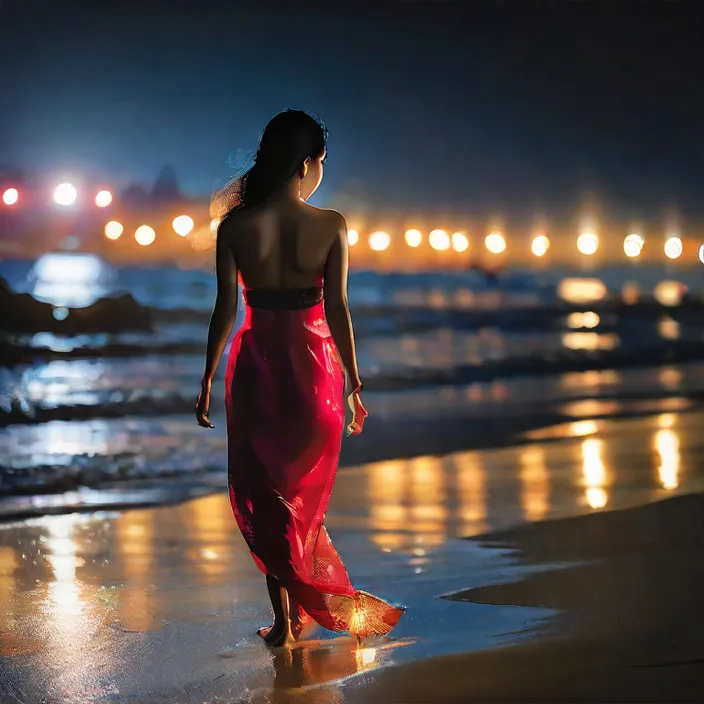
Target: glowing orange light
(673,248)
(113,230)
(144,235)
(495,243)
(352,237)
(413,238)
(588,243)
(540,245)
(460,243)
(379,241)
(182,225)
(439,240)
(633,245)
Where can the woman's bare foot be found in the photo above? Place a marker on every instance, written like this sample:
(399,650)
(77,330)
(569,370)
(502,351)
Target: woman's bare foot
(277,635)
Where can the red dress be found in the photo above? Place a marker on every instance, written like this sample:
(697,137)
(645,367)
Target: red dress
(285,417)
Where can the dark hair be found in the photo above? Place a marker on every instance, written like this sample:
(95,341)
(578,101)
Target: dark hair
(287,141)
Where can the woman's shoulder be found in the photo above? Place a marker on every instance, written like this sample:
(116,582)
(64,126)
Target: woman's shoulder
(331,217)
(234,222)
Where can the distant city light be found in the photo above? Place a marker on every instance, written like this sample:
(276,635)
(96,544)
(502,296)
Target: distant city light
(701,253)
(460,243)
(352,237)
(669,293)
(69,278)
(540,245)
(60,313)
(65,194)
(578,290)
(630,293)
(588,319)
(183,224)
(588,243)
(103,199)
(214,224)
(495,243)
(439,239)
(673,248)
(379,241)
(144,235)
(413,238)
(633,245)
(10,196)
(113,230)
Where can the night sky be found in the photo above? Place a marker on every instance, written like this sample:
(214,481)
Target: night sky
(457,106)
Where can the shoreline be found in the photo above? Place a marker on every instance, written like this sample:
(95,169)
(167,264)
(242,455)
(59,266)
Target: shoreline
(545,582)
(626,595)
(388,440)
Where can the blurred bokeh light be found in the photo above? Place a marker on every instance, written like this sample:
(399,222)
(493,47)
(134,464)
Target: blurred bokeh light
(144,235)
(673,248)
(103,199)
(576,290)
(540,245)
(379,241)
(352,237)
(65,194)
(495,243)
(588,243)
(113,230)
(413,238)
(633,245)
(669,293)
(10,196)
(460,243)
(183,224)
(439,240)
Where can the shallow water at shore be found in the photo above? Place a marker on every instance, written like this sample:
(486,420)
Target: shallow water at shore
(449,363)
(102,593)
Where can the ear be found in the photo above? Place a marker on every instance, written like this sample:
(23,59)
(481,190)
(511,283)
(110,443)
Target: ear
(304,167)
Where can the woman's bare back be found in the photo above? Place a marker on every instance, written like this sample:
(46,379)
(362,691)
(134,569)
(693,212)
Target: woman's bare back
(281,245)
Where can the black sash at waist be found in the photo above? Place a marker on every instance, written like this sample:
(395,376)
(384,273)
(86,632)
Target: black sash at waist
(283,298)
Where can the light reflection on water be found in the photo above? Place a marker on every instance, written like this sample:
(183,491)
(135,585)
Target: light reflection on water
(70,277)
(595,474)
(79,583)
(667,444)
(74,280)
(415,506)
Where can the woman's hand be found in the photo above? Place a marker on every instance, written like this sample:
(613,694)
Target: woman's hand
(203,405)
(359,413)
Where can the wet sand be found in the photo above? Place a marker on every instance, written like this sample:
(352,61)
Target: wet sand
(160,604)
(629,621)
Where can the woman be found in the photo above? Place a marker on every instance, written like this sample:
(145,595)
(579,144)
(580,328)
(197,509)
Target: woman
(285,379)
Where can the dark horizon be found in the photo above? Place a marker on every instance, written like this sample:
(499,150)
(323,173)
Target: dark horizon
(508,108)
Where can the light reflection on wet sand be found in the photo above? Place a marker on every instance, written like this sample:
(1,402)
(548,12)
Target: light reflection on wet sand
(85,590)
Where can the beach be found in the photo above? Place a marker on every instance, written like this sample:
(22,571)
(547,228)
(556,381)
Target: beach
(527,485)
(560,569)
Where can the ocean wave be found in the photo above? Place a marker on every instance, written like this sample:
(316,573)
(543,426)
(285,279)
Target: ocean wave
(172,392)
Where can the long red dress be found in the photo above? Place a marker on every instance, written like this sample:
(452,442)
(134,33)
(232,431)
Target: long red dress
(285,417)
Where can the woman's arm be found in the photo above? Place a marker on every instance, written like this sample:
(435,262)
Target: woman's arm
(225,308)
(337,309)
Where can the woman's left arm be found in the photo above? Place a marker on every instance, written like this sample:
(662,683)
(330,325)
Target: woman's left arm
(221,322)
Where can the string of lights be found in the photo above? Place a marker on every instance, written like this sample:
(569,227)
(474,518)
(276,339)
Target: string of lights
(495,242)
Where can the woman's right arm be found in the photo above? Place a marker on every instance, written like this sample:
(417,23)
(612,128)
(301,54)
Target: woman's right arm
(337,309)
